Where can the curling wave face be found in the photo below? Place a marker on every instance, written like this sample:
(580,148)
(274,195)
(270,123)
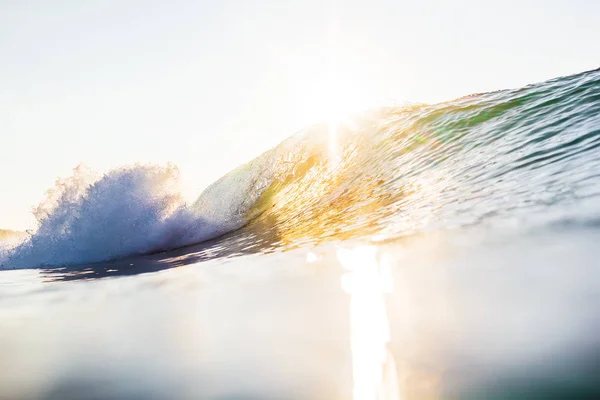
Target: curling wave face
(511,159)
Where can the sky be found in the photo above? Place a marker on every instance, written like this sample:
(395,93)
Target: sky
(208,85)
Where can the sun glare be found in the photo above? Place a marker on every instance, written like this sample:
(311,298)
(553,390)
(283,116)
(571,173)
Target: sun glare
(339,98)
(329,85)
(340,101)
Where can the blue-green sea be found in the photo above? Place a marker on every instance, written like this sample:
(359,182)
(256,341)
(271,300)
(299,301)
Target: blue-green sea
(445,251)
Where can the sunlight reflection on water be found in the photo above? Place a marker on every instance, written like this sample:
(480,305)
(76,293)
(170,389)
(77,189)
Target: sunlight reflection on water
(373,366)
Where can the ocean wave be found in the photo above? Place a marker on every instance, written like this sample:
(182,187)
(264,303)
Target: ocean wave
(131,210)
(507,157)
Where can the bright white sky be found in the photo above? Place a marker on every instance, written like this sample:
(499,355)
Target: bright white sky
(209,85)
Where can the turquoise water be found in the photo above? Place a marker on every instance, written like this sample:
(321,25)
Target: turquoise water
(422,251)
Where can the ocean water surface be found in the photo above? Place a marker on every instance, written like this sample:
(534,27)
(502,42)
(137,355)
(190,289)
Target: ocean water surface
(419,252)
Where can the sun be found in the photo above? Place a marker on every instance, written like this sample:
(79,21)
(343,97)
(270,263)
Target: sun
(337,96)
(343,98)
(332,96)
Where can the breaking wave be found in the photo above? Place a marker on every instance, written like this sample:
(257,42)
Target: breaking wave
(508,158)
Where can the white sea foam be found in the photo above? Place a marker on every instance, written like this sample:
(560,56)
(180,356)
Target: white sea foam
(131,210)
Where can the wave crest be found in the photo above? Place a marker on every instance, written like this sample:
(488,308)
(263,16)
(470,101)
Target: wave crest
(132,210)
